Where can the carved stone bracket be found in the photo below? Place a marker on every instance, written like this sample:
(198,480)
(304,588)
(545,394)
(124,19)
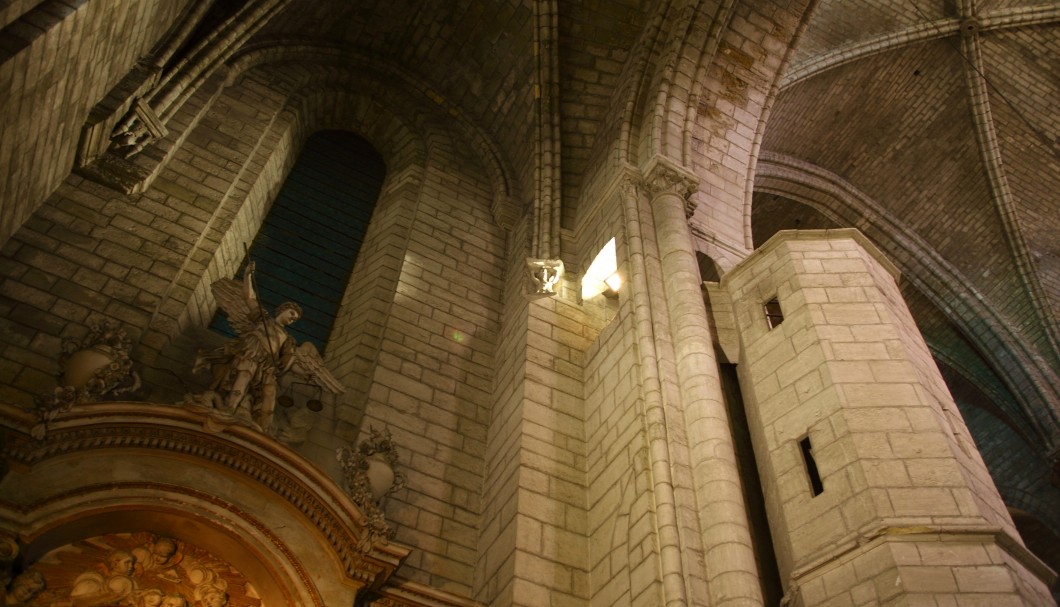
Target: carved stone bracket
(545,274)
(99,128)
(663,176)
(140,127)
(179,78)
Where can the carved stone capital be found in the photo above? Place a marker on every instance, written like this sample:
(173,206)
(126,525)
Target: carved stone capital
(139,128)
(545,274)
(630,187)
(664,177)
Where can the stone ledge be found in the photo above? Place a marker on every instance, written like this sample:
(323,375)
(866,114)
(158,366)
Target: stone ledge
(822,235)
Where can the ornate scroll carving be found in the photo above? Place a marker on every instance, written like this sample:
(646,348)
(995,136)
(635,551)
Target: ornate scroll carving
(91,368)
(252,456)
(370,476)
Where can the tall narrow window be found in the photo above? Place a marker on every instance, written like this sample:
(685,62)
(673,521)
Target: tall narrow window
(816,485)
(774,315)
(308,243)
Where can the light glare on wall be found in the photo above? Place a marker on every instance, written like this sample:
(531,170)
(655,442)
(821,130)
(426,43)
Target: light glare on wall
(602,275)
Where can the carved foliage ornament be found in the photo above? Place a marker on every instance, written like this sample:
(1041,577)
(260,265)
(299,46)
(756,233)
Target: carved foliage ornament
(663,179)
(91,368)
(545,275)
(370,475)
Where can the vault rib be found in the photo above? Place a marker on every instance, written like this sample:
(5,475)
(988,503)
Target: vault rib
(1010,18)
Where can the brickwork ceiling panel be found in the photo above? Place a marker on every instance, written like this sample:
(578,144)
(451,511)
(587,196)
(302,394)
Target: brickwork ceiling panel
(839,23)
(1023,68)
(899,128)
(985,6)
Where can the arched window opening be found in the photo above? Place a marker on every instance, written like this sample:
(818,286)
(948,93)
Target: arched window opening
(308,243)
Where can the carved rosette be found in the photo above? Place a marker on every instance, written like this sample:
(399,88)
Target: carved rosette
(91,368)
(370,475)
(662,178)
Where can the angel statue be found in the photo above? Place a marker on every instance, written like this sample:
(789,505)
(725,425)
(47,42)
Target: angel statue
(246,370)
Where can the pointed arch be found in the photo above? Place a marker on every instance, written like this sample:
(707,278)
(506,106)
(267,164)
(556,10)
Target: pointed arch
(1030,380)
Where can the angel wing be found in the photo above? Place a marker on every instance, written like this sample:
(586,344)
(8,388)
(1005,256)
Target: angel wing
(308,364)
(244,315)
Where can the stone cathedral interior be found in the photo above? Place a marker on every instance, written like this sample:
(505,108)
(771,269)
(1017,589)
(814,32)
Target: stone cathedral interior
(461,303)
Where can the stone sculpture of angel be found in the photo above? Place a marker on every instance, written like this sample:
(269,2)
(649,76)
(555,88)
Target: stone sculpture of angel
(246,370)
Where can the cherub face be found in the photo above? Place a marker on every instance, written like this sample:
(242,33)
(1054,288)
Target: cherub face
(174,601)
(121,563)
(163,550)
(26,587)
(215,598)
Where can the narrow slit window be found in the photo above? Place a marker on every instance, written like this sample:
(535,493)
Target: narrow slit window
(774,315)
(816,485)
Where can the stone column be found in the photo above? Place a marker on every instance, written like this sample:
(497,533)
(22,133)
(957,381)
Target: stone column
(729,556)
(874,489)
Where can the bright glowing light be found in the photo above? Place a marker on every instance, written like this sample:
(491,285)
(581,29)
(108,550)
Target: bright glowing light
(602,273)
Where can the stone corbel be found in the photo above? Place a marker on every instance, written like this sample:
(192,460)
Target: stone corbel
(545,275)
(127,153)
(141,127)
(96,134)
(663,176)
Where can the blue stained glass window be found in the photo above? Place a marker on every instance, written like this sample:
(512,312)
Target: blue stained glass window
(307,245)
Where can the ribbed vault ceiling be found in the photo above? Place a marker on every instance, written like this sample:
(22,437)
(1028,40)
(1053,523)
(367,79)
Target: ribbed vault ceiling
(880,93)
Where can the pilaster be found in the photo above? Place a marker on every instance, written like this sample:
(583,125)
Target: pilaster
(722,525)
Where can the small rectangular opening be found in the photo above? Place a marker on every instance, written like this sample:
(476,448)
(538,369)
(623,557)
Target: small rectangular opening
(816,486)
(774,315)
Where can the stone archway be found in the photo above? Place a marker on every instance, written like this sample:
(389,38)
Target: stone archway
(117,477)
(145,569)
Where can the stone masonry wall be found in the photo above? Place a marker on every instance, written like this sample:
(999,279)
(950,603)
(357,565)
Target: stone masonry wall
(904,503)
(495,566)
(90,253)
(431,385)
(62,57)
(623,551)
(534,542)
